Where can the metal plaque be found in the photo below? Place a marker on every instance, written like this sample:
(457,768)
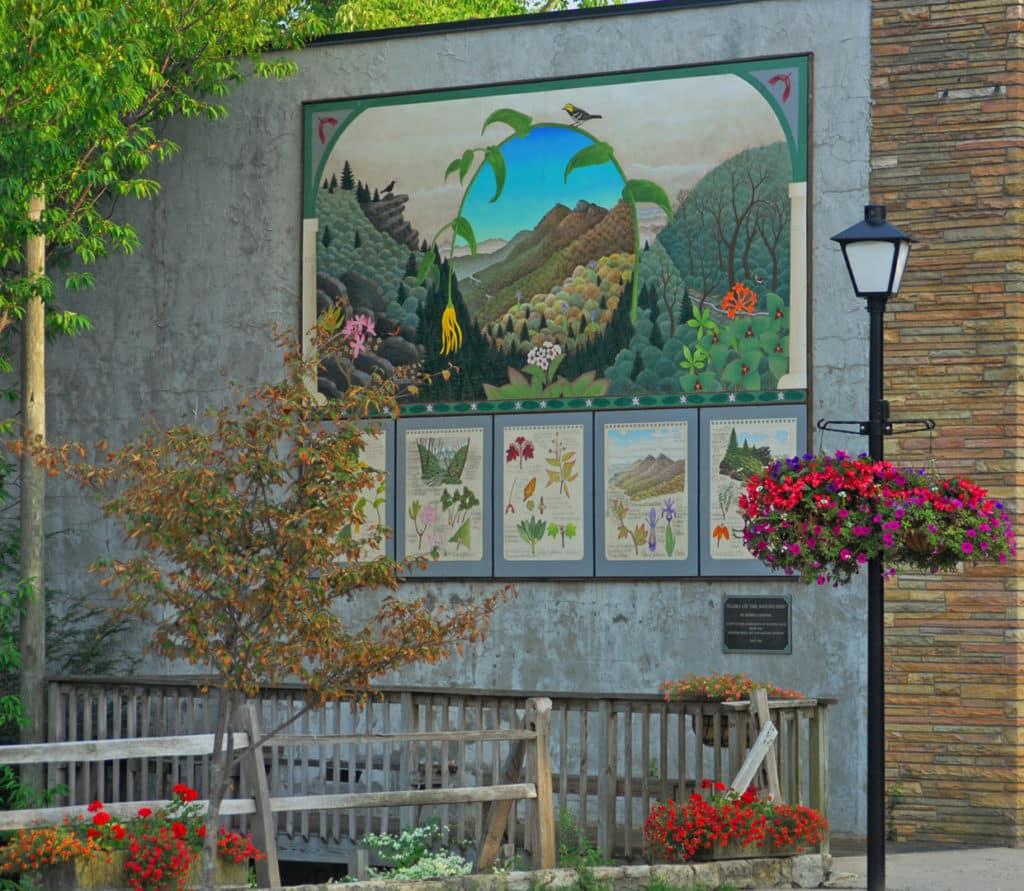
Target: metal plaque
(756,625)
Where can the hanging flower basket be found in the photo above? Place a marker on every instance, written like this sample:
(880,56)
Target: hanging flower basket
(822,517)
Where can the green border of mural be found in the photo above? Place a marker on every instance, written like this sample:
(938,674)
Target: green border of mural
(782,81)
(760,74)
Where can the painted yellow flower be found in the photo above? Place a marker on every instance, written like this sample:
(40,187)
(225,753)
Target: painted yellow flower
(451,333)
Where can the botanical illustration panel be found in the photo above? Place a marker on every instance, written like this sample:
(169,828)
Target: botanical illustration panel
(545,480)
(734,445)
(377,503)
(444,509)
(646,494)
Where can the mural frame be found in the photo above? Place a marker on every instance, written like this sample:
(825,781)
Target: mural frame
(781,84)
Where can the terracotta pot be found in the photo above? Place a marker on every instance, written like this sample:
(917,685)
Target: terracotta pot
(102,874)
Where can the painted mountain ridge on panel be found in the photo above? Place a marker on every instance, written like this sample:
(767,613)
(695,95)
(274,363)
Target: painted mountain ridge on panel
(652,476)
(543,258)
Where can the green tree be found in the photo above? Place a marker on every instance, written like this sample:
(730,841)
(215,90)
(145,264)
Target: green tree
(371,15)
(246,547)
(84,89)
(348,183)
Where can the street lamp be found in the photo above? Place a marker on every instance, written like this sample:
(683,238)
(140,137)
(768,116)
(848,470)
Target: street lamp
(876,256)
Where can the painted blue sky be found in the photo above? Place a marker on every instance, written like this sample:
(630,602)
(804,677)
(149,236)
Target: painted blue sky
(535,182)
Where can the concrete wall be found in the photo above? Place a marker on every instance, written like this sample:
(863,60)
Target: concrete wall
(220,260)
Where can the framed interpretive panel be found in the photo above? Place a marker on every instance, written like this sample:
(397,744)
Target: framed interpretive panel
(378,503)
(645,514)
(444,486)
(544,495)
(735,444)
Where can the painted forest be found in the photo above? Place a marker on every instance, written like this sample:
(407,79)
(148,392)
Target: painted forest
(550,314)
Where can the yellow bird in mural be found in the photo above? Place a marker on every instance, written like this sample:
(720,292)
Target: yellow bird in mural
(578,115)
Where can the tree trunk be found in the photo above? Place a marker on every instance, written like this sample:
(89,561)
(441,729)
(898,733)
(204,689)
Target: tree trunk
(33,489)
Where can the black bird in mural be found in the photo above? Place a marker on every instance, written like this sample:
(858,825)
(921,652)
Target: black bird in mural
(388,187)
(578,115)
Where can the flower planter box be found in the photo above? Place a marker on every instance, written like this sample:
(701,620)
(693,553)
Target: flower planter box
(733,850)
(102,874)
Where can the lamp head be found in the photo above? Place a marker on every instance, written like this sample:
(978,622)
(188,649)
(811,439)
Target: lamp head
(875,253)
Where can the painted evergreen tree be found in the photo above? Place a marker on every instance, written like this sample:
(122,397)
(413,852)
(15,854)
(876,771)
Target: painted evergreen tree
(348,182)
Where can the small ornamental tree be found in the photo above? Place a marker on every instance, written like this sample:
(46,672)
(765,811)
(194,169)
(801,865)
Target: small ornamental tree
(249,533)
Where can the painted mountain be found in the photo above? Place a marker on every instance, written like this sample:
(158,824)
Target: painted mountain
(651,477)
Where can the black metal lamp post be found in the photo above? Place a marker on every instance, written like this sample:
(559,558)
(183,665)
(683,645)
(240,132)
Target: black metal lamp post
(876,256)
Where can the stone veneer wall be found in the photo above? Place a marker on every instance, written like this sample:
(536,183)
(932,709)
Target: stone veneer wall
(947,152)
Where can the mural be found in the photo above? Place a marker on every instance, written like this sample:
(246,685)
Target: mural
(625,240)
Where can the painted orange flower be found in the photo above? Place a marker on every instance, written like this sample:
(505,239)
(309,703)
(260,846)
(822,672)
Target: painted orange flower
(739,299)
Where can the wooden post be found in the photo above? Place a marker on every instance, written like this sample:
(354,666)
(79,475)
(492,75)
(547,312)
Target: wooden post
(264,826)
(32,631)
(538,719)
(607,780)
(497,812)
(759,701)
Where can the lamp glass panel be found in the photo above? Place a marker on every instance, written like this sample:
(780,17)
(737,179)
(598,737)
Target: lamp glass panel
(871,264)
(901,265)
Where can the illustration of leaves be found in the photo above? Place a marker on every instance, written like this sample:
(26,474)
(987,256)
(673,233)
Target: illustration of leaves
(462,228)
(453,473)
(432,471)
(552,530)
(425,266)
(670,541)
(455,165)
(465,162)
(554,477)
(530,488)
(518,121)
(570,530)
(461,536)
(589,156)
(643,190)
(497,161)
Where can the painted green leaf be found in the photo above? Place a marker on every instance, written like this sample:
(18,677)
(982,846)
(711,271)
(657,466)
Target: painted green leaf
(461,536)
(552,530)
(570,530)
(775,303)
(778,364)
(519,122)
(425,266)
(553,367)
(462,228)
(670,541)
(590,156)
(455,165)
(465,162)
(643,190)
(495,158)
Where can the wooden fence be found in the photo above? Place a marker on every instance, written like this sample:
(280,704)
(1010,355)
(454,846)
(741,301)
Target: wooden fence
(531,741)
(612,756)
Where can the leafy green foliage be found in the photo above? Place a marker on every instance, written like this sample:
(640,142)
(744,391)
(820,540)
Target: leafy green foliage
(86,87)
(371,15)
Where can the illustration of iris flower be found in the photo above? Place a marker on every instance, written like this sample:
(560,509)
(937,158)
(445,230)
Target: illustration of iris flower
(451,333)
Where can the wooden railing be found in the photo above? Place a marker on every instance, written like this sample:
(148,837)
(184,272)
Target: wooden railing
(612,756)
(531,743)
